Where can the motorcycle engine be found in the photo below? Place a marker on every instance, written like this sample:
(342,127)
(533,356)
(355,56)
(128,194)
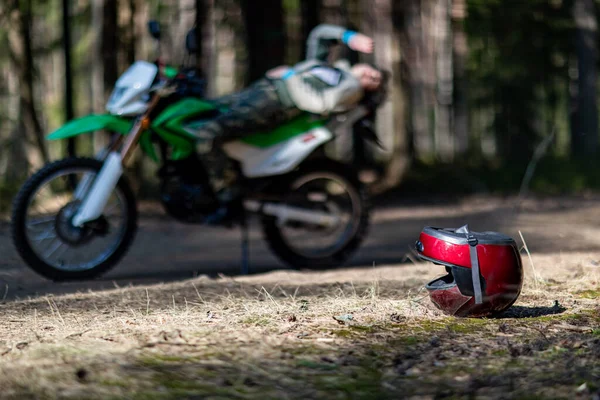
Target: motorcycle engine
(185,192)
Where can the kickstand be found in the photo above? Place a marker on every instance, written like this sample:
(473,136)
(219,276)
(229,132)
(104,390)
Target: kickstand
(245,247)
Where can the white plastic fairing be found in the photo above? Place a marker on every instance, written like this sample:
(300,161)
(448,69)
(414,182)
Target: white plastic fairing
(104,184)
(129,97)
(279,158)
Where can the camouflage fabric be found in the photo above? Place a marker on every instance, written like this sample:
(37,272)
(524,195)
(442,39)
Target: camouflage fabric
(255,109)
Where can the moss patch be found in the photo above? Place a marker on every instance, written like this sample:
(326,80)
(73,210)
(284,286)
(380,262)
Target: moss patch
(589,294)
(258,321)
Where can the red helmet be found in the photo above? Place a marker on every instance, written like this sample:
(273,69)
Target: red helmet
(485,274)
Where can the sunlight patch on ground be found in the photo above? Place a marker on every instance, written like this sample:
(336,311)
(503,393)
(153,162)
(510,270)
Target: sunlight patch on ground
(368,330)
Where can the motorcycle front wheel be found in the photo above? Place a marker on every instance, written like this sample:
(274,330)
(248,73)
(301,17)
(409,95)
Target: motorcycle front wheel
(43,233)
(328,187)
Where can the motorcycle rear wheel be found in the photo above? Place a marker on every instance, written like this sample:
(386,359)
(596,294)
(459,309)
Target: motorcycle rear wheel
(327,186)
(50,244)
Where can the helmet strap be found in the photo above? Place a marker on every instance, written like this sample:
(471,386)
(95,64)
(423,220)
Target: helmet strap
(472,240)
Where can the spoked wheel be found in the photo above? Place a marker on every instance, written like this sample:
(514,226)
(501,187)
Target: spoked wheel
(328,188)
(44,235)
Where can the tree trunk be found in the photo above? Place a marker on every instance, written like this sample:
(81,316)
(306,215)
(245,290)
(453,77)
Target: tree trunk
(201,23)
(131,39)
(209,48)
(460,50)
(444,142)
(334,12)
(379,24)
(584,117)
(97,68)
(68,72)
(110,45)
(418,60)
(28,126)
(182,20)
(309,10)
(128,11)
(13,153)
(265,36)
(227,52)
(104,60)
(144,43)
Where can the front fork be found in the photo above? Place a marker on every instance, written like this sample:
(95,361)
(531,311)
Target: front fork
(95,199)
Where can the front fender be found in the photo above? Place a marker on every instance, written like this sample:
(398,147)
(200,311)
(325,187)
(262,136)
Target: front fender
(91,123)
(96,122)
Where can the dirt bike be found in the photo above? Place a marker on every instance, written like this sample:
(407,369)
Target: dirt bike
(75,218)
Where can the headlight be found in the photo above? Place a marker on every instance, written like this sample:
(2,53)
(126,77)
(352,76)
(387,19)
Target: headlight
(116,95)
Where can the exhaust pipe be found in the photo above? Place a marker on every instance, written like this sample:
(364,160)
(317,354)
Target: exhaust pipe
(286,213)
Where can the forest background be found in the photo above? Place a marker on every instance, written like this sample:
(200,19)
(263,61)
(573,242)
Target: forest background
(480,90)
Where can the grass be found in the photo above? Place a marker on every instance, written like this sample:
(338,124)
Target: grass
(268,336)
(589,294)
(360,333)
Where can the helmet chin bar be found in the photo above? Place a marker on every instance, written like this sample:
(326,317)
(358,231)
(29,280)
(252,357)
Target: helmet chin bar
(451,300)
(461,277)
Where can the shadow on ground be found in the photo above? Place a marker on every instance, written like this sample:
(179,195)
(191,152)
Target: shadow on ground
(389,359)
(532,312)
(165,250)
(395,365)
(262,339)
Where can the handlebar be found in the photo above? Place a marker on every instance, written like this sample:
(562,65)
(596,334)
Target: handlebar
(184,81)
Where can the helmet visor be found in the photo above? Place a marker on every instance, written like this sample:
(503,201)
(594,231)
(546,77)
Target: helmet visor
(462,277)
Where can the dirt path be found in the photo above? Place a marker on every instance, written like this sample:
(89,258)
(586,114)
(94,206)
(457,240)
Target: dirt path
(364,331)
(166,251)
